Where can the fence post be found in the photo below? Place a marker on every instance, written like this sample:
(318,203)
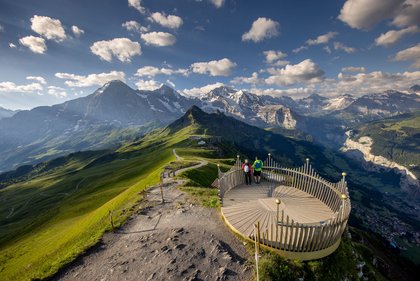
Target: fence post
(110,219)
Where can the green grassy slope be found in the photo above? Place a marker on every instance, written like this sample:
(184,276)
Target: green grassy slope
(396,138)
(47,220)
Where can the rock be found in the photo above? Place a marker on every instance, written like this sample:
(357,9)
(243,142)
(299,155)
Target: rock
(151,276)
(180,246)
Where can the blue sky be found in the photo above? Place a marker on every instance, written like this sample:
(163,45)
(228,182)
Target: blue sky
(55,50)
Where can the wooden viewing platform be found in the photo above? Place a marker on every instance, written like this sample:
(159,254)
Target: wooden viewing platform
(299,214)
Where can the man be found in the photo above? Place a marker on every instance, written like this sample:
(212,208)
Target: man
(246,167)
(257,166)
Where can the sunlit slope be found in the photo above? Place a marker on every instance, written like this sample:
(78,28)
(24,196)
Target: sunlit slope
(47,219)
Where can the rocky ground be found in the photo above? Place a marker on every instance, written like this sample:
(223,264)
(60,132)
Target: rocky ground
(177,240)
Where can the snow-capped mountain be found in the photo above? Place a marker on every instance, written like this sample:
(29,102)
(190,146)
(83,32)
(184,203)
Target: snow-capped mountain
(338,103)
(257,110)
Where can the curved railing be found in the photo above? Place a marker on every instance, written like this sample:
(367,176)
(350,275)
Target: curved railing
(288,235)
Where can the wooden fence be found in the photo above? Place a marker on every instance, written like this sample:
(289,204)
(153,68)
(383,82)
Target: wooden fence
(287,234)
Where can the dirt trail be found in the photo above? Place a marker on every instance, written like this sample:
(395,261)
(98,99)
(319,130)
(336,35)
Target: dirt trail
(173,241)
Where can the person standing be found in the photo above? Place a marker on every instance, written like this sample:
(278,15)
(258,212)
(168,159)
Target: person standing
(247,168)
(257,166)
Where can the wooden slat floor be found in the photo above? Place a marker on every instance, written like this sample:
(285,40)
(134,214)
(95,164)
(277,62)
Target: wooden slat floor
(245,205)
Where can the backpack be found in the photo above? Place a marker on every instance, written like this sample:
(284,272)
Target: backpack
(246,168)
(258,164)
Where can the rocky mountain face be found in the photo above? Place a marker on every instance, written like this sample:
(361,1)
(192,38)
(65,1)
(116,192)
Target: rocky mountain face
(4,113)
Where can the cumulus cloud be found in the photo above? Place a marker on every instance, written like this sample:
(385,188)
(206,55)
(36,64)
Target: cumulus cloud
(35,44)
(134,26)
(217,3)
(322,39)
(136,4)
(341,46)
(221,67)
(148,85)
(122,48)
(408,14)
(275,57)
(262,28)
(160,39)
(77,31)
(12,46)
(49,28)
(57,92)
(169,21)
(304,72)
(393,36)
(364,83)
(152,71)
(410,54)
(364,14)
(353,69)
(37,78)
(295,92)
(253,79)
(10,87)
(74,80)
(201,90)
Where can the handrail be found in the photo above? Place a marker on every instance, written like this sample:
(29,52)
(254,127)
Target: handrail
(295,236)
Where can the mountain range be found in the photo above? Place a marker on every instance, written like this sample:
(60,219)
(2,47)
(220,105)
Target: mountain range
(4,113)
(115,113)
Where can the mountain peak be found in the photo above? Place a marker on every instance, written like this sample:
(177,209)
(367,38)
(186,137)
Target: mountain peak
(113,86)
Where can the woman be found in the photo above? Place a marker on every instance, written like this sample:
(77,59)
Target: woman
(247,168)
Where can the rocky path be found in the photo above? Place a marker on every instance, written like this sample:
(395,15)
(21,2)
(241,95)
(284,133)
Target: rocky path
(176,240)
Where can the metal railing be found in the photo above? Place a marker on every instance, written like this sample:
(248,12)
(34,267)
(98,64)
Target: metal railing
(287,234)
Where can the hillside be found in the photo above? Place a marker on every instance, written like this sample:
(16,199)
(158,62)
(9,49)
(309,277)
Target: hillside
(53,211)
(396,138)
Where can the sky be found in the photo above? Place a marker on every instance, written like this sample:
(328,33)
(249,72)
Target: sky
(56,50)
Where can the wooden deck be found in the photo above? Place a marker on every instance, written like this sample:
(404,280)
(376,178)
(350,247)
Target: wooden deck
(245,205)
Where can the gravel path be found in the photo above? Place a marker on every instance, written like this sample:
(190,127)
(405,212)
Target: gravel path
(173,241)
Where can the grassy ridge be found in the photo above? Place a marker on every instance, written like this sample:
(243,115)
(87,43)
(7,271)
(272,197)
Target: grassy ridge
(46,221)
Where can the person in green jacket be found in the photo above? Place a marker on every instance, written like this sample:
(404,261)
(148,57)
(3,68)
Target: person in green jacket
(257,167)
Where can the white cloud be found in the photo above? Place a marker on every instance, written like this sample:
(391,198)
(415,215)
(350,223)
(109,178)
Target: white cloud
(304,72)
(11,87)
(393,36)
(262,28)
(12,46)
(353,69)
(77,31)
(409,14)
(74,80)
(148,85)
(49,28)
(295,92)
(364,14)
(37,78)
(253,79)
(221,67)
(122,48)
(412,53)
(202,90)
(152,71)
(364,83)
(341,46)
(1,28)
(169,21)
(275,57)
(159,38)
(217,3)
(35,44)
(322,39)
(136,4)
(134,26)
(301,48)
(57,92)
